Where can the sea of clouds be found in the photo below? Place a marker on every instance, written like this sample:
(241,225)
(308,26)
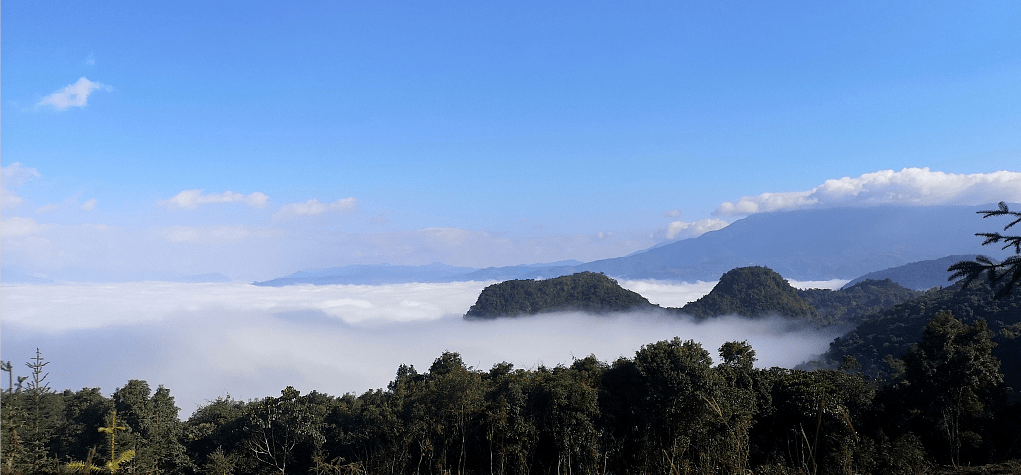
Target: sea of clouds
(208,340)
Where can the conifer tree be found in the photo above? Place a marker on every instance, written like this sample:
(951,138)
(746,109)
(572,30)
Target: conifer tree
(1009,270)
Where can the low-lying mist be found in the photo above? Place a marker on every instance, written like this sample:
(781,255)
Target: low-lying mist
(208,340)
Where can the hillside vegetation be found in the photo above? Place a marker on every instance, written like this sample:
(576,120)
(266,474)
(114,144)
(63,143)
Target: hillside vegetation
(584,291)
(746,291)
(851,304)
(751,292)
(893,331)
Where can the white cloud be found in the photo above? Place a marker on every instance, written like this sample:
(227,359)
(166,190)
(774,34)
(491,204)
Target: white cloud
(91,60)
(47,208)
(13,176)
(89,205)
(16,174)
(74,95)
(683,230)
(910,186)
(674,213)
(455,236)
(191,199)
(17,226)
(214,234)
(314,207)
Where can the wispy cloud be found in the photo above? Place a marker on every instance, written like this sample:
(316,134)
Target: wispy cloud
(91,60)
(910,186)
(89,205)
(18,226)
(13,176)
(214,234)
(74,95)
(191,199)
(314,207)
(683,230)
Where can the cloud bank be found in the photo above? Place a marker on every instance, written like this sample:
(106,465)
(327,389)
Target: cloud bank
(191,199)
(205,340)
(910,186)
(683,230)
(74,95)
(13,176)
(315,207)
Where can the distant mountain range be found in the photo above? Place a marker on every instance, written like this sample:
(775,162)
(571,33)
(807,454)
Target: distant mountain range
(17,275)
(822,244)
(431,273)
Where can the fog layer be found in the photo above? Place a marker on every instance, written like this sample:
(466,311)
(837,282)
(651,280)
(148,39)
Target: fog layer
(208,340)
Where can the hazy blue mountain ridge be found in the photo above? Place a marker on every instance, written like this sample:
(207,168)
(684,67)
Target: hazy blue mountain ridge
(820,244)
(921,275)
(431,273)
(813,244)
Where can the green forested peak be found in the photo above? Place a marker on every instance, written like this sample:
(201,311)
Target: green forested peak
(584,291)
(752,292)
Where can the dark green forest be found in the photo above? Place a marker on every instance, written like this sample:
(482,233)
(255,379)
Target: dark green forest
(667,409)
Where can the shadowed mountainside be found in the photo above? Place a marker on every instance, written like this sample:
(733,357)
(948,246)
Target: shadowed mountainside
(893,331)
(921,275)
(820,244)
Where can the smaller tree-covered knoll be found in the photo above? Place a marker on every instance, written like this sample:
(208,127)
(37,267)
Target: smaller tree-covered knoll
(585,292)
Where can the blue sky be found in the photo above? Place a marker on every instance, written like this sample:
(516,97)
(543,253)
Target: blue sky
(479,134)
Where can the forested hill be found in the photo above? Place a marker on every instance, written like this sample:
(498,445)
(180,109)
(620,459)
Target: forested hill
(851,304)
(584,291)
(759,291)
(893,331)
(746,291)
(752,292)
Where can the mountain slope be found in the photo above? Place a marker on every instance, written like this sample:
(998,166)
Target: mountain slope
(820,244)
(850,305)
(921,275)
(892,331)
(812,244)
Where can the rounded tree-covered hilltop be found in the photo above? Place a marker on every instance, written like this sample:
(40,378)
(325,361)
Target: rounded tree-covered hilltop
(751,292)
(585,292)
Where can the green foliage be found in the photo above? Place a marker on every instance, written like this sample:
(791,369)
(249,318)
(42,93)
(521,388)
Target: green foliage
(29,415)
(745,291)
(893,331)
(585,291)
(1009,270)
(852,304)
(155,431)
(84,411)
(752,292)
(950,375)
(666,409)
